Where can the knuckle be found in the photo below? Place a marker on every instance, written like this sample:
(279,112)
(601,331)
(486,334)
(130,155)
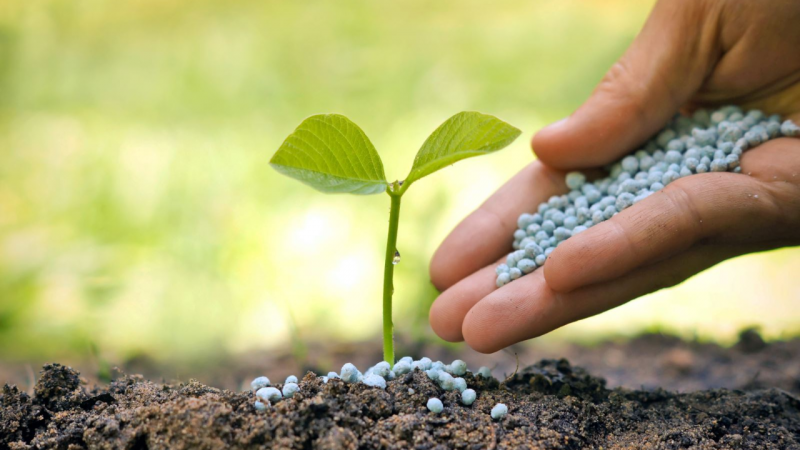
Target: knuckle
(628,88)
(679,195)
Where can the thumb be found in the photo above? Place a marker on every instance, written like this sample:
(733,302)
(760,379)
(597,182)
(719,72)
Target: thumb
(660,72)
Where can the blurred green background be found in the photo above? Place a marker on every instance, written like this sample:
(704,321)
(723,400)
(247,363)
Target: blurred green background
(139,215)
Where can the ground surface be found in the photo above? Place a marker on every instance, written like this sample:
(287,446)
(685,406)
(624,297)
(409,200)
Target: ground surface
(645,362)
(551,405)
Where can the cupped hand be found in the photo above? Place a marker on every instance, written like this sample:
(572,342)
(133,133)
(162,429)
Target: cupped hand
(690,53)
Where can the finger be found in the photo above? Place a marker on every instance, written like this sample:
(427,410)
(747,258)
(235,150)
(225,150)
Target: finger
(661,70)
(725,206)
(448,310)
(776,166)
(778,161)
(774,162)
(739,76)
(486,234)
(527,308)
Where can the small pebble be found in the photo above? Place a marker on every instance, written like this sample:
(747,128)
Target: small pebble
(435,405)
(499,411)
(402,368)
(503,279)
(458,367)
(468,397)
(381,369)
(270,394)
(446,381)
(350,373)
(375,380)
(575,180)
(790,129)
(289,389)
(423,363)
(259,383)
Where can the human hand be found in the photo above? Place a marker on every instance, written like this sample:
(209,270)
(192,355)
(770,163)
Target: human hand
(690,53)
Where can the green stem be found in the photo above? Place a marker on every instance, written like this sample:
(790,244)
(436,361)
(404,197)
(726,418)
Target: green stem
(388,274)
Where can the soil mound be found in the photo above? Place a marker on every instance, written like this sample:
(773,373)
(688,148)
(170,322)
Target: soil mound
(551,404)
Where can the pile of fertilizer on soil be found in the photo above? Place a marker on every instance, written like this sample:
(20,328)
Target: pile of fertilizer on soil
(551,405)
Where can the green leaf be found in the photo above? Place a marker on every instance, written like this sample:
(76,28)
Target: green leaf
(331,154)
(462,136)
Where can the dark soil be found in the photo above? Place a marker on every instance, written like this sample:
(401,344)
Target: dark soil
(645,362)
(652,361)
(551,405)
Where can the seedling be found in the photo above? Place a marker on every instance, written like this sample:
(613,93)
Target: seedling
(332,154)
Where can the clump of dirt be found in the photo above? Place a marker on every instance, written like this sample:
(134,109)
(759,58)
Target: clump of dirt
(551,405)
(59,388)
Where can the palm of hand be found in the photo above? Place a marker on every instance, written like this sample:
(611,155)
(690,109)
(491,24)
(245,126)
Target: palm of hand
(690,53)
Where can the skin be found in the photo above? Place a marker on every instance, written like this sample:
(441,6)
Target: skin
(690,54)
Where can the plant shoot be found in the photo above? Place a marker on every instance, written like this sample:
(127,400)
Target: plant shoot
(333,155)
